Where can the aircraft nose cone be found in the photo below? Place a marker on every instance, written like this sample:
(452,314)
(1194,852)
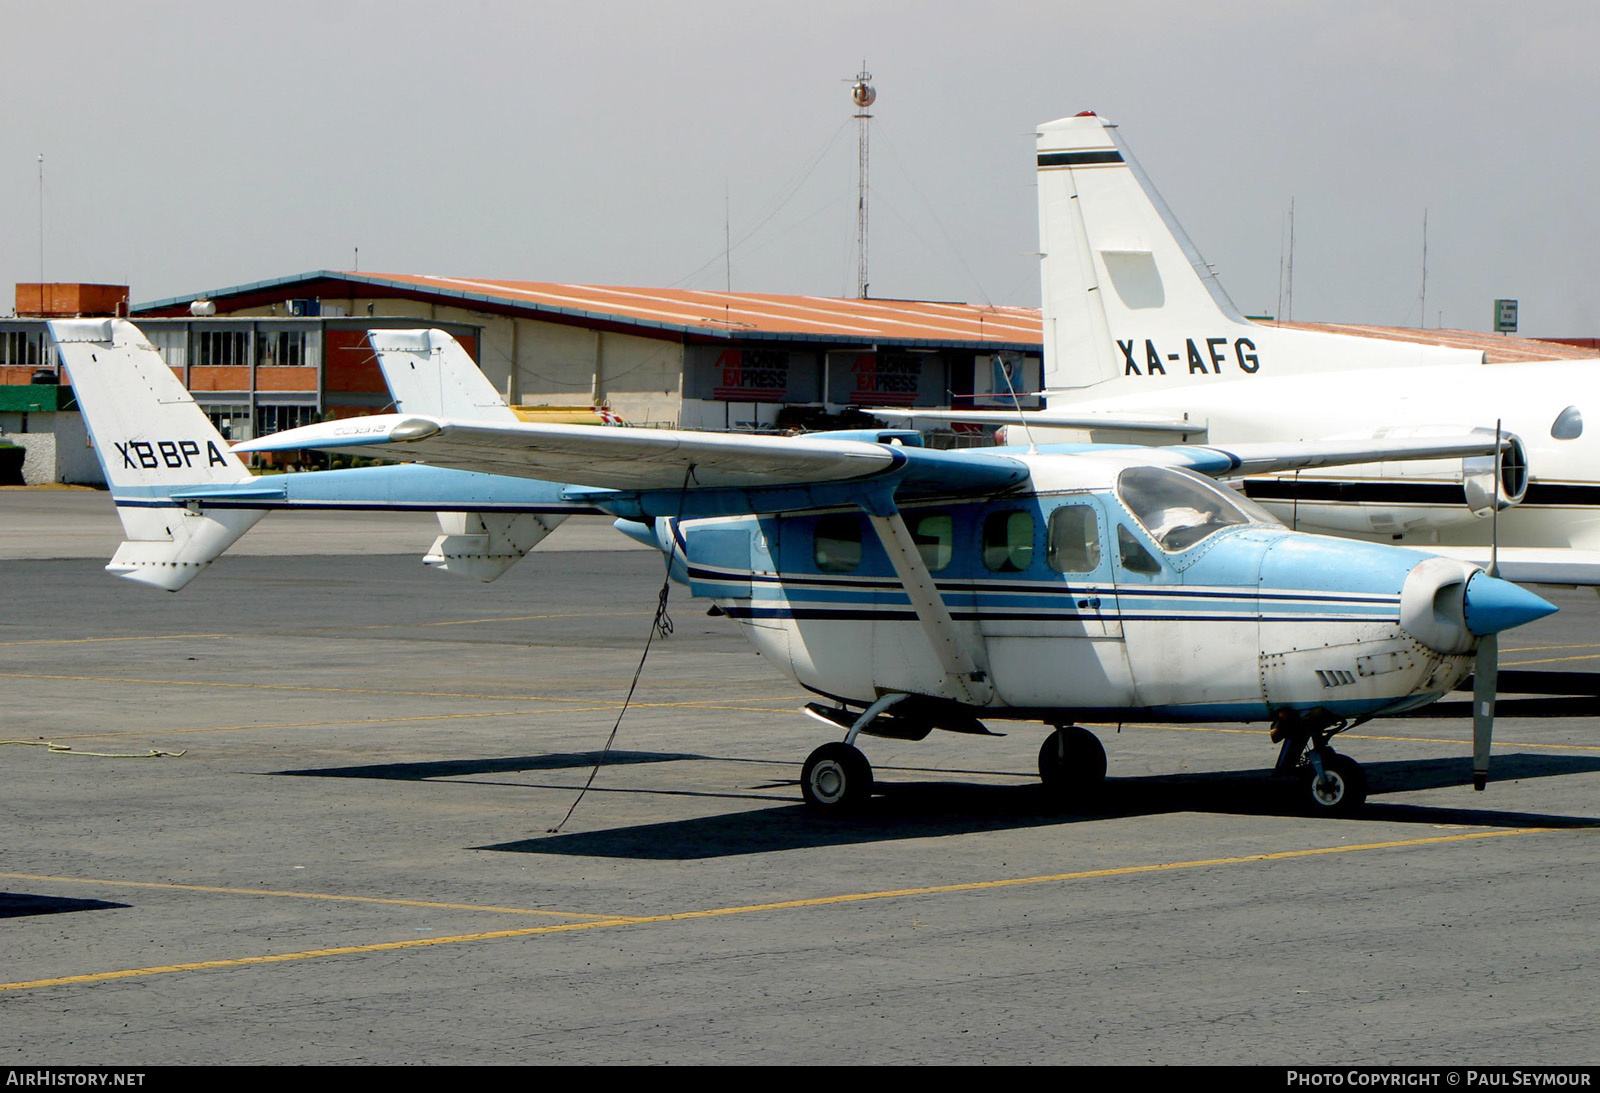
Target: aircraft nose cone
(1492,605)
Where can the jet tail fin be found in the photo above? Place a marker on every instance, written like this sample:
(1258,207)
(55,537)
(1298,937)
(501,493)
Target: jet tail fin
(1130,305)
(153,440)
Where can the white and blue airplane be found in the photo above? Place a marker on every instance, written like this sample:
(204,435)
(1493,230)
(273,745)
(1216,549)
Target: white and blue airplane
(909,589)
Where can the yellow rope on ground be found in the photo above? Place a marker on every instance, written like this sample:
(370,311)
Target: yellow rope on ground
(153,753)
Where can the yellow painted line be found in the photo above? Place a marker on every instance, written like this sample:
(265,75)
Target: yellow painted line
(1549,660)
(333,629)
(287,894)
(1542,648)
(470,622)
(134,637)
(329,724)
(400,720)
(348,690)
(756,908)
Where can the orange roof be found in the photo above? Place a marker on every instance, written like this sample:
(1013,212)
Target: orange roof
(759,315)
(753,312)
(1499,349)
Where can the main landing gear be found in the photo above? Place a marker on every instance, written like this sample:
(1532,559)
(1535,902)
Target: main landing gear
(836,778)
(1072,763)
(1325,782)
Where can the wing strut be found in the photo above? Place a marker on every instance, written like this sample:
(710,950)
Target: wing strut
(966,676)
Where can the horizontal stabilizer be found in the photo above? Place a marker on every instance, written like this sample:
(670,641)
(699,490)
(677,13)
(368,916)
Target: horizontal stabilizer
(192,540)
(482,546)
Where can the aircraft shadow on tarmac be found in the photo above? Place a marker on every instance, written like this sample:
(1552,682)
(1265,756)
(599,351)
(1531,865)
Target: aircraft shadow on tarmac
(914,810)
(23,904)
(458,768)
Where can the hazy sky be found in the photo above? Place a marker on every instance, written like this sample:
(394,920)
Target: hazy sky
(191,146)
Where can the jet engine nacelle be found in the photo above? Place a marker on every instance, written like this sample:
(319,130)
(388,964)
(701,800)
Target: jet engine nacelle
(1397,498)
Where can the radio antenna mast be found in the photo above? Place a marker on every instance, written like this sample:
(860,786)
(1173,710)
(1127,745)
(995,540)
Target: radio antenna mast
(863,95)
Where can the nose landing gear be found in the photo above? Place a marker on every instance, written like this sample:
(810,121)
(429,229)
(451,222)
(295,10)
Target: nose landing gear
(1326,783)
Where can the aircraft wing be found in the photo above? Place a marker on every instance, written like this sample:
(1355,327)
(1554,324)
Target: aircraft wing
(1131,421)
(658,461)
(1269,457)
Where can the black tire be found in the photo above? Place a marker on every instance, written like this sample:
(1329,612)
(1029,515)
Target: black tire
(836,778)
(1340,791)
(1072,762)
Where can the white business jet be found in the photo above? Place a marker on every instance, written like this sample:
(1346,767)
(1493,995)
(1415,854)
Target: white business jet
(1143,345)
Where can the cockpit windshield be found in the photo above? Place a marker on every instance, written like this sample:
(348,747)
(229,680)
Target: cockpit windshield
(1180,508)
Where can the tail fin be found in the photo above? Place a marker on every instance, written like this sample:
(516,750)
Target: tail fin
(429,372)
(1128,300)
(153,440)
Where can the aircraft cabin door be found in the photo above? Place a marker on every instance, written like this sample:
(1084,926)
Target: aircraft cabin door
(1047,605)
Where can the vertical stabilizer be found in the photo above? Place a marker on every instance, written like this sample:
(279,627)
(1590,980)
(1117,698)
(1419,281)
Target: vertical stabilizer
(429,372)
(1130,305)
(152,440)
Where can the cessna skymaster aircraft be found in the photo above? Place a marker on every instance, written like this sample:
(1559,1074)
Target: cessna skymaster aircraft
(910,589)
(1142,345)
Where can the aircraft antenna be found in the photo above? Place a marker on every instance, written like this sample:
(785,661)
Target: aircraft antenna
(863,95)
(1000,364)
(1424,297)
(1288,299)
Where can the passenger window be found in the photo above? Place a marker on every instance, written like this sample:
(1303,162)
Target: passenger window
(1008,541)
(1074,540)
(1135,558)
(935,536)
(836,546)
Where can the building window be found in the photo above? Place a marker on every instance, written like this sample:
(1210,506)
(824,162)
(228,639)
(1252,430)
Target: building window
(231,419)
(172,344)
(275,419)
(21,347)
(221,347)
(286,347)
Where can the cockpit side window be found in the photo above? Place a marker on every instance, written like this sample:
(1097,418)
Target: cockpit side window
(1008,541)
(836,543)
(1073,542)
(1180,509)
(1131,552)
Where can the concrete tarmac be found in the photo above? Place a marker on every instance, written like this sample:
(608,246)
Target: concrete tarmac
(352,861)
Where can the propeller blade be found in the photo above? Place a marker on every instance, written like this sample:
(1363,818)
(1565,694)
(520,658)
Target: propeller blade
(1485,677)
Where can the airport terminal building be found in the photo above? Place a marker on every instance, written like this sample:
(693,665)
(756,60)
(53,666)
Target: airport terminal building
(687,358)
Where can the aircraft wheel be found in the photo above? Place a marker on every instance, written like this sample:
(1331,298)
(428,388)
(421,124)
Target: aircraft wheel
(1072,761)
(1341,790)
(836,778)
